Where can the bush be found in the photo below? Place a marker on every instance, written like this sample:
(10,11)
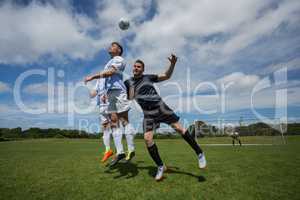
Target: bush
(3,139)
(59,136)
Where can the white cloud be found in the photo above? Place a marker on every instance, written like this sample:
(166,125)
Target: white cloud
(206,33)
(109,12)
(4,108)
(8,109)
(293,64)
(261,26)
(238,82)
(37,88)
(206,40)
(36,30)
(211,32)
(4,87)
(212,104)
(236,97)
(70,97)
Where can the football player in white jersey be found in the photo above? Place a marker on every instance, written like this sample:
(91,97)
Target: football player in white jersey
(235,136)
(101,94)
(118,104)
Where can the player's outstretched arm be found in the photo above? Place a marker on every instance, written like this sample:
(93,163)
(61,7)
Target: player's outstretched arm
(168,73)
(103,74)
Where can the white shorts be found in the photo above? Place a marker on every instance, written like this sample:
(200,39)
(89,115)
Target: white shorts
(103,115)
(117,101)
(104,118)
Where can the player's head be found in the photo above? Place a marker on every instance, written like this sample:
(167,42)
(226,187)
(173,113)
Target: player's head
(115,49)
(138,67)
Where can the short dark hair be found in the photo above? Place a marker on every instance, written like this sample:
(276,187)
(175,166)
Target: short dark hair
(119,45)
(141,62)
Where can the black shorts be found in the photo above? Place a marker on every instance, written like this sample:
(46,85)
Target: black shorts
(155,115)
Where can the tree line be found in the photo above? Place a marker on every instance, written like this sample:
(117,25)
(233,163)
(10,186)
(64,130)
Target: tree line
(18,133)
(256,129)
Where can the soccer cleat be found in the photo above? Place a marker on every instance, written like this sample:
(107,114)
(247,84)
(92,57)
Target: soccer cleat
(160,172)
(129,156)
(201,161)
(107,155)
(117,159)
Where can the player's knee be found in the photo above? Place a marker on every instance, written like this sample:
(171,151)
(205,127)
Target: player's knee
(114,120)
(178,128)
(181,131)
(148,140)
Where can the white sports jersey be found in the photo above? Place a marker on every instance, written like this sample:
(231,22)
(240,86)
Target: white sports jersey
(116,80)
(234,133)
(101,90)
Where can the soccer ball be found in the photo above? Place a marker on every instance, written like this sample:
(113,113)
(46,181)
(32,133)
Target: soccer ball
(124,24)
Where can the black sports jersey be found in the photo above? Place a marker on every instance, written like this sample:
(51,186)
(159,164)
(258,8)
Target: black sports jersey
(144,91)
(155,110)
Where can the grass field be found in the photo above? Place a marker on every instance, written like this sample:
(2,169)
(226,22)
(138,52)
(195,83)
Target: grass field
(70,169)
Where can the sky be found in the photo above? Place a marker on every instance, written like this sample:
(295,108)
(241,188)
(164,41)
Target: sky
(237,59)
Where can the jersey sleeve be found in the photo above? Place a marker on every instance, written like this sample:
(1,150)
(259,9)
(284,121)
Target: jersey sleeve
(153,78)
(118,63)
(127,86)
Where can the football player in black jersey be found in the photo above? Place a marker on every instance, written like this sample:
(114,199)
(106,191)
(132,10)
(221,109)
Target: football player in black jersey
(140,87)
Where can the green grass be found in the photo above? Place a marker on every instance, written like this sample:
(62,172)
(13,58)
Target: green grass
(70,169)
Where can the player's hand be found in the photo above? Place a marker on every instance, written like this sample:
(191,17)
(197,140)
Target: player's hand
(87,79)
(172,59)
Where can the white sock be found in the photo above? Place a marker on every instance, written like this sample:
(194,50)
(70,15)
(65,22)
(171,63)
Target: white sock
(130,143)
(106,138)
(117,135)
(129,129)
(129,134)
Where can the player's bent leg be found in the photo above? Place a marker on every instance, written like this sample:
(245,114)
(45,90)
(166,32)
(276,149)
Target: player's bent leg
(130,144)
(129,135)
(178,128)
(192,142)
(240,142)
(153,151)
(114,120)
(148,137)
(117,136)
(117,133)
(106,140)
(106,135)
(187,137)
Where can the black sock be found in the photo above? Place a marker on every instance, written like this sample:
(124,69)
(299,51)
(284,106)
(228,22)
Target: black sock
(153,151)
(192,142)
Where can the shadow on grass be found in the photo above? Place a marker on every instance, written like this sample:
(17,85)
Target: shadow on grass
(175,170)
(127,170)
(130,170)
